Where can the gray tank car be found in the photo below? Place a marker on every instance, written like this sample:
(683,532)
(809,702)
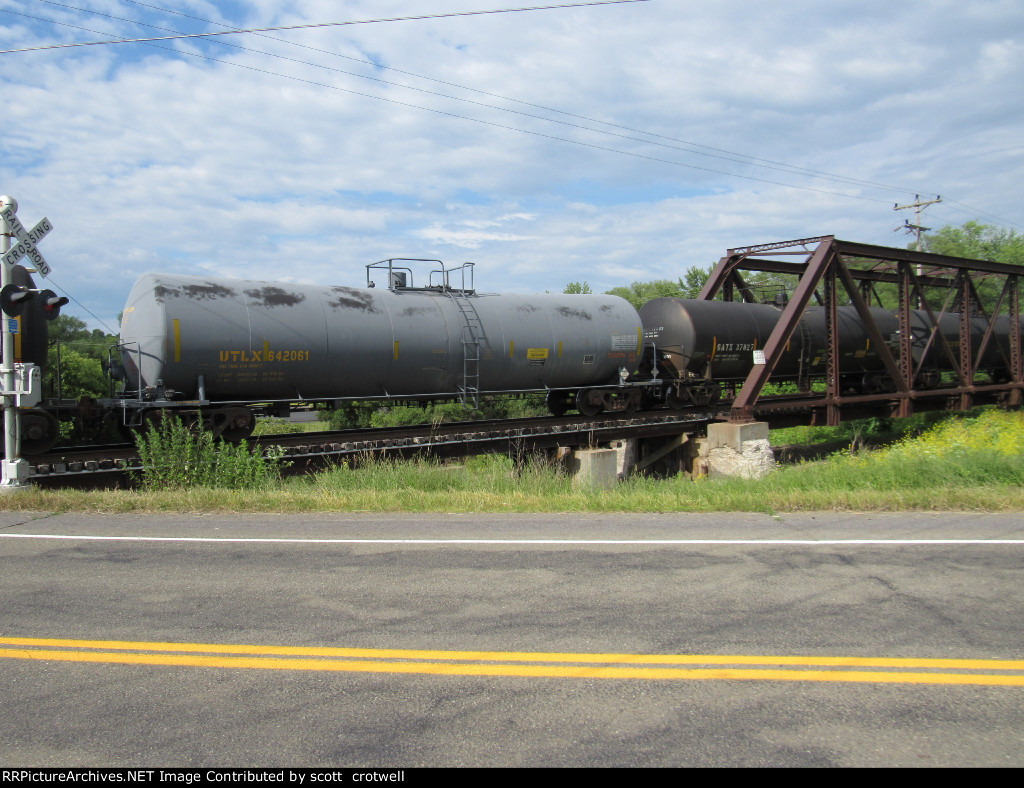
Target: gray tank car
(227,341)
(704,342)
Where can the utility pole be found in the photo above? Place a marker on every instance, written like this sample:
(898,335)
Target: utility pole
(917,205)
(916,227)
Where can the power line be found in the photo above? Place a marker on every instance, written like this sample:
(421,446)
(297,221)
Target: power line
(495,124)
(790,169)
(729,155)
(65,292)
(976,212)
(314,25)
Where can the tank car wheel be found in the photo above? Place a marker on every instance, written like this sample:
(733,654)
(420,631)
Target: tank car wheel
(704,394)
(633,402)
(875,383)
(156,418)
(557,402)
(584,404)
(40,431)
(233,424)
(674,400)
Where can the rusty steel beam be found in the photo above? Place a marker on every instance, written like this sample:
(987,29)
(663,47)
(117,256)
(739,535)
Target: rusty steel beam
(954,363)
(891,364)
(990,328)
(966,363)
(833,261)
(717,279)
(860,274)
(946,348)
(833,390)
(867,251)
(1016,356)
(742,408)
(743,251)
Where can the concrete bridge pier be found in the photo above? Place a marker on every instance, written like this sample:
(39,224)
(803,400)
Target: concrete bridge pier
(735,450)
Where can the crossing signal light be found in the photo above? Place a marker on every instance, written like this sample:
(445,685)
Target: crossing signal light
(51,303)
(13,299)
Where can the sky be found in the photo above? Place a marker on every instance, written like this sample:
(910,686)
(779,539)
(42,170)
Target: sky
(603,143)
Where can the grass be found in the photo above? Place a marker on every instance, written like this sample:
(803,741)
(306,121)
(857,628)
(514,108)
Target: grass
(961,464)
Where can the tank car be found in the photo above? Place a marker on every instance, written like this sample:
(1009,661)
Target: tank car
(225,343)
(699,344)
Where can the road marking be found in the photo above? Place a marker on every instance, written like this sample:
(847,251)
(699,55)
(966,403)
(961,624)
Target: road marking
(517,663)
(597,542)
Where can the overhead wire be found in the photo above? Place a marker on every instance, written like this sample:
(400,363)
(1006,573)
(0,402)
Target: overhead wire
(504,126)
(314,25)
(824,176)
(65,292)
(718,153)
(738,158)
(729,155)
(741,158)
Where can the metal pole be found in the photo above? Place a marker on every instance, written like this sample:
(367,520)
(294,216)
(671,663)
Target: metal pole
(11,479)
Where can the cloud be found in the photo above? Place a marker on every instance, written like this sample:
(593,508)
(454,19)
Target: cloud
(601,144)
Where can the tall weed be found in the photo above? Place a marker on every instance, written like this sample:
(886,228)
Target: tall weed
(178,456)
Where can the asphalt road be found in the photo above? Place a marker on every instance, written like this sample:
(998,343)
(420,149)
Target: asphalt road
(512,640)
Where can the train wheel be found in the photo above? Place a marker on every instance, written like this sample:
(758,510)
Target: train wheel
(157,418)
(871,383)
(557,402)
(585,403)
(233,424)
(40,431)
(704,394)
(673,400)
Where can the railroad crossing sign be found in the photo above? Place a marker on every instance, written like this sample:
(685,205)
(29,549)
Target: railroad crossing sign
(26,240)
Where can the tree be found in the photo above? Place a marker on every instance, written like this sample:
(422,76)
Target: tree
(688,286)
(78,354)
(81,375)
(578,288)
(977,241)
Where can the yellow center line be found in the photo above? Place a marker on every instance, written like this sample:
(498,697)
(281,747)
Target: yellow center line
(488,663)
(522,656)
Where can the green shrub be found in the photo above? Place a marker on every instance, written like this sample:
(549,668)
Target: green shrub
(178,456)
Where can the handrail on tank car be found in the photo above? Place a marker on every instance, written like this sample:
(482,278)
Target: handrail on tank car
(446,275)
(399,277)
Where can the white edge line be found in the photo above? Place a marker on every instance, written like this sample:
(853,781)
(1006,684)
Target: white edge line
(662,542)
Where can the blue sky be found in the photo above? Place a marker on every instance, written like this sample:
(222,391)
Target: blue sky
(607,144)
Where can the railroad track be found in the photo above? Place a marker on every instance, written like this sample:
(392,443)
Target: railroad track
(108,465)
(304,452)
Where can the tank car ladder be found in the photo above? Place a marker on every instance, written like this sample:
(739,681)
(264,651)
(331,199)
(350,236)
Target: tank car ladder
(472,335)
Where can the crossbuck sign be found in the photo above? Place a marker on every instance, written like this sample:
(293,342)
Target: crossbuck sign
(26,240)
